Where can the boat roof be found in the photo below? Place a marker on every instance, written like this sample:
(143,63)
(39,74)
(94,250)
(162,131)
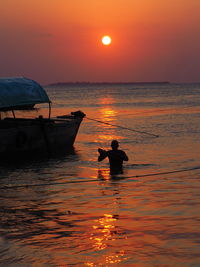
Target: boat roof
(21,93)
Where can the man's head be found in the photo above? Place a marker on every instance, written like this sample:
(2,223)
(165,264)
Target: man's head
(114,144)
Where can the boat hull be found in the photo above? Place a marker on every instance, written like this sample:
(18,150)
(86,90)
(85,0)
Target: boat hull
(27,137)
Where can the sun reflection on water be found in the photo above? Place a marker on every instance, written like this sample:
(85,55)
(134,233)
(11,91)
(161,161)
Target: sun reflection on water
(103,237)
(103,174)
(107,112)
(108,115)
(104,228)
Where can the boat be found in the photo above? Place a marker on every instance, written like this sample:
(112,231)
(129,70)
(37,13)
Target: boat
(24,136)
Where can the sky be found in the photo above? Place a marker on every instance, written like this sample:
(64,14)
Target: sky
(60,40)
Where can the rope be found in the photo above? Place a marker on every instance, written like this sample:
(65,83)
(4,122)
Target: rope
(162,173)
(95,180)
(122,127)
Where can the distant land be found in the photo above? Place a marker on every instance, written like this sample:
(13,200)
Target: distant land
(104,83)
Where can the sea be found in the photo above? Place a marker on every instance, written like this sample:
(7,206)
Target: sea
(68,210)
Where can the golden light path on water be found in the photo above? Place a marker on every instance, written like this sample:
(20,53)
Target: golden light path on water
(107,114)
(103,235)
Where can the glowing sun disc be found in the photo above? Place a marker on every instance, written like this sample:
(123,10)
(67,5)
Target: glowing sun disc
(106,40)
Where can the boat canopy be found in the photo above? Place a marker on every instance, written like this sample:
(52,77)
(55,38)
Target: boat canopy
(21,93)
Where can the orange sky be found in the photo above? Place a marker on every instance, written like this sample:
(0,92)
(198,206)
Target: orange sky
(59,40)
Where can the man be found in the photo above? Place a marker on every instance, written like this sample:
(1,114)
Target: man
(115,156)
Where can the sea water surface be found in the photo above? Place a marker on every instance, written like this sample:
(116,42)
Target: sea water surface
(68,211)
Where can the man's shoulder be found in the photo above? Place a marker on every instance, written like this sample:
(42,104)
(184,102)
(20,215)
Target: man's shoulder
(121,151)
(115,151)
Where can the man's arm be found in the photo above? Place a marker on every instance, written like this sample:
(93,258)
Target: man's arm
(103,154)
(124,156)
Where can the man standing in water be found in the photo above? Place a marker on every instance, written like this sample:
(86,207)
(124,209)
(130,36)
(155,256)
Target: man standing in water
(115,156)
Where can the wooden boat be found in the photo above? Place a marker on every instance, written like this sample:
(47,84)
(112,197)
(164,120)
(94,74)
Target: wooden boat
(27,136)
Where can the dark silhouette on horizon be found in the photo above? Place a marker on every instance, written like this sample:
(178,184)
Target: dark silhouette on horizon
(105,83)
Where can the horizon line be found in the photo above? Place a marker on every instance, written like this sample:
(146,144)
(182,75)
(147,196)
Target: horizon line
(115,83)
(87,82)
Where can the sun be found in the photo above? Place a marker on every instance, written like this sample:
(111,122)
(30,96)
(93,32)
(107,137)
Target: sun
(106,40)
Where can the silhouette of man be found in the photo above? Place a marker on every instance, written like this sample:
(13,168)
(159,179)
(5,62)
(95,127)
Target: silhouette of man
(115,156)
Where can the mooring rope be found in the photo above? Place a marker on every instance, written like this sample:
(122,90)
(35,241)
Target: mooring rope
(122,127)
(169,172)
(95,180)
